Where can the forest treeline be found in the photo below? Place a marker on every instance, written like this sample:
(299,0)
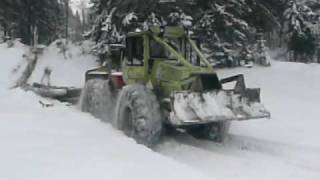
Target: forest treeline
(231,26)
(48,19)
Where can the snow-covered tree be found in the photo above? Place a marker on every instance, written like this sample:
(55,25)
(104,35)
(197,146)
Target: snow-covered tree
(299,19)
(113,19)
(224,26)
(152,20)
(180,18)
(260,53)
(21,18)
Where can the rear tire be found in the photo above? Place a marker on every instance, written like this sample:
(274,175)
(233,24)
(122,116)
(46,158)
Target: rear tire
(139,115)
(216,132)
(97,99)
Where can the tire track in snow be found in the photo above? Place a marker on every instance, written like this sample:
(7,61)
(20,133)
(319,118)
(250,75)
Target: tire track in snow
(246,157)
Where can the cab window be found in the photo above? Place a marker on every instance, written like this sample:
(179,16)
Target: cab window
(157,50)
(134,51)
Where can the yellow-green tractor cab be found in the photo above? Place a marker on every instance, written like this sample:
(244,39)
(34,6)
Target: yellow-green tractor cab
(163,72)
(166,58)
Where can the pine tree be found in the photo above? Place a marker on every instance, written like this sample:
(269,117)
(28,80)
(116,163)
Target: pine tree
(298,23)
(21,18)
(224,26)
(8,14)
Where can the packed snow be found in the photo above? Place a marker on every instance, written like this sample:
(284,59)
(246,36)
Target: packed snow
(60,142)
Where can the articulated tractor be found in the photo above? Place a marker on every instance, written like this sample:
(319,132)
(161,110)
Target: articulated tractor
(159,80)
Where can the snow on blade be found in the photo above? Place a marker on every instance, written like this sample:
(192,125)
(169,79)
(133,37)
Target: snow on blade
(213,106)
(195,107)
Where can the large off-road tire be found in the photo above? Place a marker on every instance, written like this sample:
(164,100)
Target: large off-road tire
(139,115)
(216,132)
(98,99)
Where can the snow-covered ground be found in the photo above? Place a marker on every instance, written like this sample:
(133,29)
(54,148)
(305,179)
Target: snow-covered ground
(284,147)
(61,142)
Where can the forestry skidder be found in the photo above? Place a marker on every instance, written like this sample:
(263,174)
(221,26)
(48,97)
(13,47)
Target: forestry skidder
(166,82)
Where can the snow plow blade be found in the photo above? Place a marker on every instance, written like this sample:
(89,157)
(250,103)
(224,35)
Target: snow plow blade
(190,108)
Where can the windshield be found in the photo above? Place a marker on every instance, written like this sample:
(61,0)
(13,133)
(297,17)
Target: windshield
(181,45)
(157,50)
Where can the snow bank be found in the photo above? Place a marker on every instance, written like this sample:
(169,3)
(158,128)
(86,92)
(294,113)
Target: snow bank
(11,60)
(68,69)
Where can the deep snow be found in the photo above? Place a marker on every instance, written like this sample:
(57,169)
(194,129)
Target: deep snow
(63,143)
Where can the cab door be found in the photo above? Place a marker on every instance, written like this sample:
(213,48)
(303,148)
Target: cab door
(133,64)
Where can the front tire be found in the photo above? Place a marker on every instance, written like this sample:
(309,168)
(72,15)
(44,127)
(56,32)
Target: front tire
(139,115)
(98,99)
